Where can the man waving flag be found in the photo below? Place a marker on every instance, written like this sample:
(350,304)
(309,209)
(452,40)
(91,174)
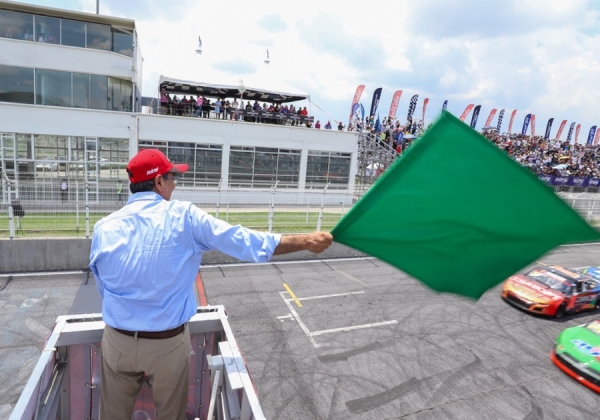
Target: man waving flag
(467,225)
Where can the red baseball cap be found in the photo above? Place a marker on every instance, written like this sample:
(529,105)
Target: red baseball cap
(149,163)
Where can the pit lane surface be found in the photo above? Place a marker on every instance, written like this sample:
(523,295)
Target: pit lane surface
(347,339)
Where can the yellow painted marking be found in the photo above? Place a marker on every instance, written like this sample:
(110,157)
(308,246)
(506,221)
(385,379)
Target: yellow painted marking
(292,295)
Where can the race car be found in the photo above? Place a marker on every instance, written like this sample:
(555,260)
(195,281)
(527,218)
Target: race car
(577,353)
(552,291)
(593,272)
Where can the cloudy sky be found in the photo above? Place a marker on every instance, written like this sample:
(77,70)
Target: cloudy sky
(536,56)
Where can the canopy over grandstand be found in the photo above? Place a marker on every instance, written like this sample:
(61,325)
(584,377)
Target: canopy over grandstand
(243,90)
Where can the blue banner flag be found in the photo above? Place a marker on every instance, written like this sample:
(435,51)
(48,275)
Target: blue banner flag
(500,117)
(375,101)
(548,128)
(570,134)
(445,105)
(378,125)
(362,112)
(591,136)
(411,107)
(526,123)
(475,115)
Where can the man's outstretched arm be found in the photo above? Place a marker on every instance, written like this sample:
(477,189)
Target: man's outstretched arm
(314,242)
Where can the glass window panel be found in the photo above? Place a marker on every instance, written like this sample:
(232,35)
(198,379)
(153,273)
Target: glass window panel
(317,166)
(81,90)
(53,87)
(16,84)
(16,25)
(24,149)
(265,163)
(73,33)
(119,94)
(241,163)
(98,92)
(98,36)
(47,29)
(288,165)
(122,42)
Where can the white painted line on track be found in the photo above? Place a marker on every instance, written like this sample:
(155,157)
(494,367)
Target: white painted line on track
(355,327)
(304,328)
(328,296)
(285,316)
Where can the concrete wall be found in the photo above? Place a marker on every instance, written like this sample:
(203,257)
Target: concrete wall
(31,255)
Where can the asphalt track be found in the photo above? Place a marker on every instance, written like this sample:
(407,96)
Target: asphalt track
(347,339)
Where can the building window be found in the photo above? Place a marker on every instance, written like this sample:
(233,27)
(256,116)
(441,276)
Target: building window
(98,36)
(72,33)
(53,88)
(58,31)
(263,167)
(98,92)
(119,94)
(122,41)
(16,25)
(204,160)
(16,85)
(47,30)
(328,168)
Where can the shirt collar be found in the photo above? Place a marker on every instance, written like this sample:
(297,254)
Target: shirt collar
(144,196)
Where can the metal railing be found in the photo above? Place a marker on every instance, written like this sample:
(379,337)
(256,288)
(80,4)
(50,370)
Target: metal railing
(66,381)
(24,213)
(30,212)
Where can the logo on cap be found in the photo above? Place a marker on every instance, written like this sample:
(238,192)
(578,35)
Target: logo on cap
(151,171)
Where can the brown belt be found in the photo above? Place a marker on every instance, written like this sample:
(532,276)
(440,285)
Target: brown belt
(154,335)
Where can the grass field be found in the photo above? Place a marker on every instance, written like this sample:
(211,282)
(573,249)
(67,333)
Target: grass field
(43,225)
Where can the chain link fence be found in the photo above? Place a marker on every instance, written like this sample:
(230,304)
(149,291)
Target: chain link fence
(70,207)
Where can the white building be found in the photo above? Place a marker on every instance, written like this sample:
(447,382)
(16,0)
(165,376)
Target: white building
(70,95)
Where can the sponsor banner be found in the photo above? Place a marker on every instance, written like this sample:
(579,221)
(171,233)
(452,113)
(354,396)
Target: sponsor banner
(357,95)
(411,107)
(526,123)
(577,132)
(510,123)
(490,118)
(548,128)
(500,117)
(570,133)
(425,102)
(532,125)
(597,137)
(375,102)
(466,112)
(445,105)
(570,181)
(591,136)
(475,116)
(560,129)
(394,105)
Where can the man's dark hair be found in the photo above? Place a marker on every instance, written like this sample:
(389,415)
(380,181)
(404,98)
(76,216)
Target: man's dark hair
(142,186)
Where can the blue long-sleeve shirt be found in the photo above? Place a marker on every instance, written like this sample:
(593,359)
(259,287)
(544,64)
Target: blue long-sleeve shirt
(145,258)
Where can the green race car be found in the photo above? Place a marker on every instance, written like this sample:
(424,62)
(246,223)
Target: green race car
(577,353)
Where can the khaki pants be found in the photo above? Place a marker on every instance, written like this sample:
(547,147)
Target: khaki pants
(125,361)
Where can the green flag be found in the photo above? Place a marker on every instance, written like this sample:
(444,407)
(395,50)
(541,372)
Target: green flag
(458,214)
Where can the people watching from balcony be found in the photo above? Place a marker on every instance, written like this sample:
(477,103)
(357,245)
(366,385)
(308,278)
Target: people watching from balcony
(328,125)
(340,126)
(318,125)
(163,101)
(42,38)
(218,108)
